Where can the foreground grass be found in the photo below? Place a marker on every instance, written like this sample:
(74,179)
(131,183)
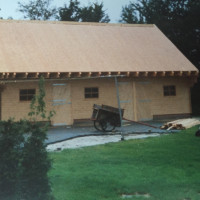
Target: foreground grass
(166,167)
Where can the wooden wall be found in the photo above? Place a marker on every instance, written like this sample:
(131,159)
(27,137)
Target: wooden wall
(142,98)
(151,101)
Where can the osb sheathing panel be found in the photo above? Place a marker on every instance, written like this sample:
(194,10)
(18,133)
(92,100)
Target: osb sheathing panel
(141,98)
(12,107)
(82,107)
(61,103)
(151,100)
(27,46)
(126,98)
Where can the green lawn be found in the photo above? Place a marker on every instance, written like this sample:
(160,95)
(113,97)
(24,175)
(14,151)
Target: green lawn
(165,167)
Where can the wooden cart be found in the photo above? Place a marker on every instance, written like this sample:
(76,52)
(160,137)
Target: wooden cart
(106,118)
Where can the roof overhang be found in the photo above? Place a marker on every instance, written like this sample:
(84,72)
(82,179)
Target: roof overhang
(71,75)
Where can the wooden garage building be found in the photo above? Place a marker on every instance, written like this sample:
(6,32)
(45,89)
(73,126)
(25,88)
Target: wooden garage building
(79,62)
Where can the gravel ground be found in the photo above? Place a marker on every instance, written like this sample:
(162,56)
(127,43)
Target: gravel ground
(85,141)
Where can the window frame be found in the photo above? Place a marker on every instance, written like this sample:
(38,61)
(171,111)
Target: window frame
(169,90)
(26,95)
(91,92)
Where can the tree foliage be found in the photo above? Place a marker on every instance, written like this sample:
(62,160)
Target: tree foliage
(42,10)
(71,12)
(1,17)
(38,105)
(11,140)
(91,13)
(35,165)
(24,161)
(178,19)
(37,10)
(94,13)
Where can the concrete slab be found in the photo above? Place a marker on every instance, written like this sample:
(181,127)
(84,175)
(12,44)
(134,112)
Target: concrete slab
(64,133)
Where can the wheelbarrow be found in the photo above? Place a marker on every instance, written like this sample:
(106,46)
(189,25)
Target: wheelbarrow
(106,118)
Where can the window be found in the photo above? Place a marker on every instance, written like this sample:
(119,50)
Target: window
(26,94)
(91,92)
(169,90)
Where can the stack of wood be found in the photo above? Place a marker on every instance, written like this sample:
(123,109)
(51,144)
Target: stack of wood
(181,124)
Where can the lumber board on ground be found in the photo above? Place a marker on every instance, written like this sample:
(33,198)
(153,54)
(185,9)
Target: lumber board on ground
(181,124)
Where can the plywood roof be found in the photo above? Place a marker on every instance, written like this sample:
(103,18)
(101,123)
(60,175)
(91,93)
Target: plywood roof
(35,46)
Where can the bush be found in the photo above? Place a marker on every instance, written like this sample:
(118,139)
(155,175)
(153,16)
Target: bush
(35,165)
(11,142)
(24,161)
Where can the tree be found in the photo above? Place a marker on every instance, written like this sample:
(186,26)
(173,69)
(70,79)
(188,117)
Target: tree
(129,15)
(91,13)
(94,13)
(71,12)
(38,105)
(37,10)
(1,17)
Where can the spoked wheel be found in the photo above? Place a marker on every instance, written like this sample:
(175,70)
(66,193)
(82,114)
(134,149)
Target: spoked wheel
(97,125)
(108,126)
(104,125)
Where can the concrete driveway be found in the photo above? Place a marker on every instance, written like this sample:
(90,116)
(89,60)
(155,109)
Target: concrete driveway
(63,133)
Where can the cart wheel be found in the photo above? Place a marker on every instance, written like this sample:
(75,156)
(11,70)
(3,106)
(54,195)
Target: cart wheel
(107,125)
(98,125)
(104,125)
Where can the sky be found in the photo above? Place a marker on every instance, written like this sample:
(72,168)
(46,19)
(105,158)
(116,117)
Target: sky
(113,7)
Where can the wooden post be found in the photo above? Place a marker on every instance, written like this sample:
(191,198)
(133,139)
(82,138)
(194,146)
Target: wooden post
(2,75)
(14,75)
(7,75)
(188,73)
(153,74)
(170,73)
(134,101)
(145,74)
(119,106)
(48,74)
(57,74)
(21,75)
(136,74)
(96,74)
(162,74)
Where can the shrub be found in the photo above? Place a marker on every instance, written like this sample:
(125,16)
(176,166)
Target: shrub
(11,145)
(35,165)
(24,161)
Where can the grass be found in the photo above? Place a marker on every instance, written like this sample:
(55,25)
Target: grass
(165,167)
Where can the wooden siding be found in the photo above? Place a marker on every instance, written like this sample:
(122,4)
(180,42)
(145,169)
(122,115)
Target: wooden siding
(141,98)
